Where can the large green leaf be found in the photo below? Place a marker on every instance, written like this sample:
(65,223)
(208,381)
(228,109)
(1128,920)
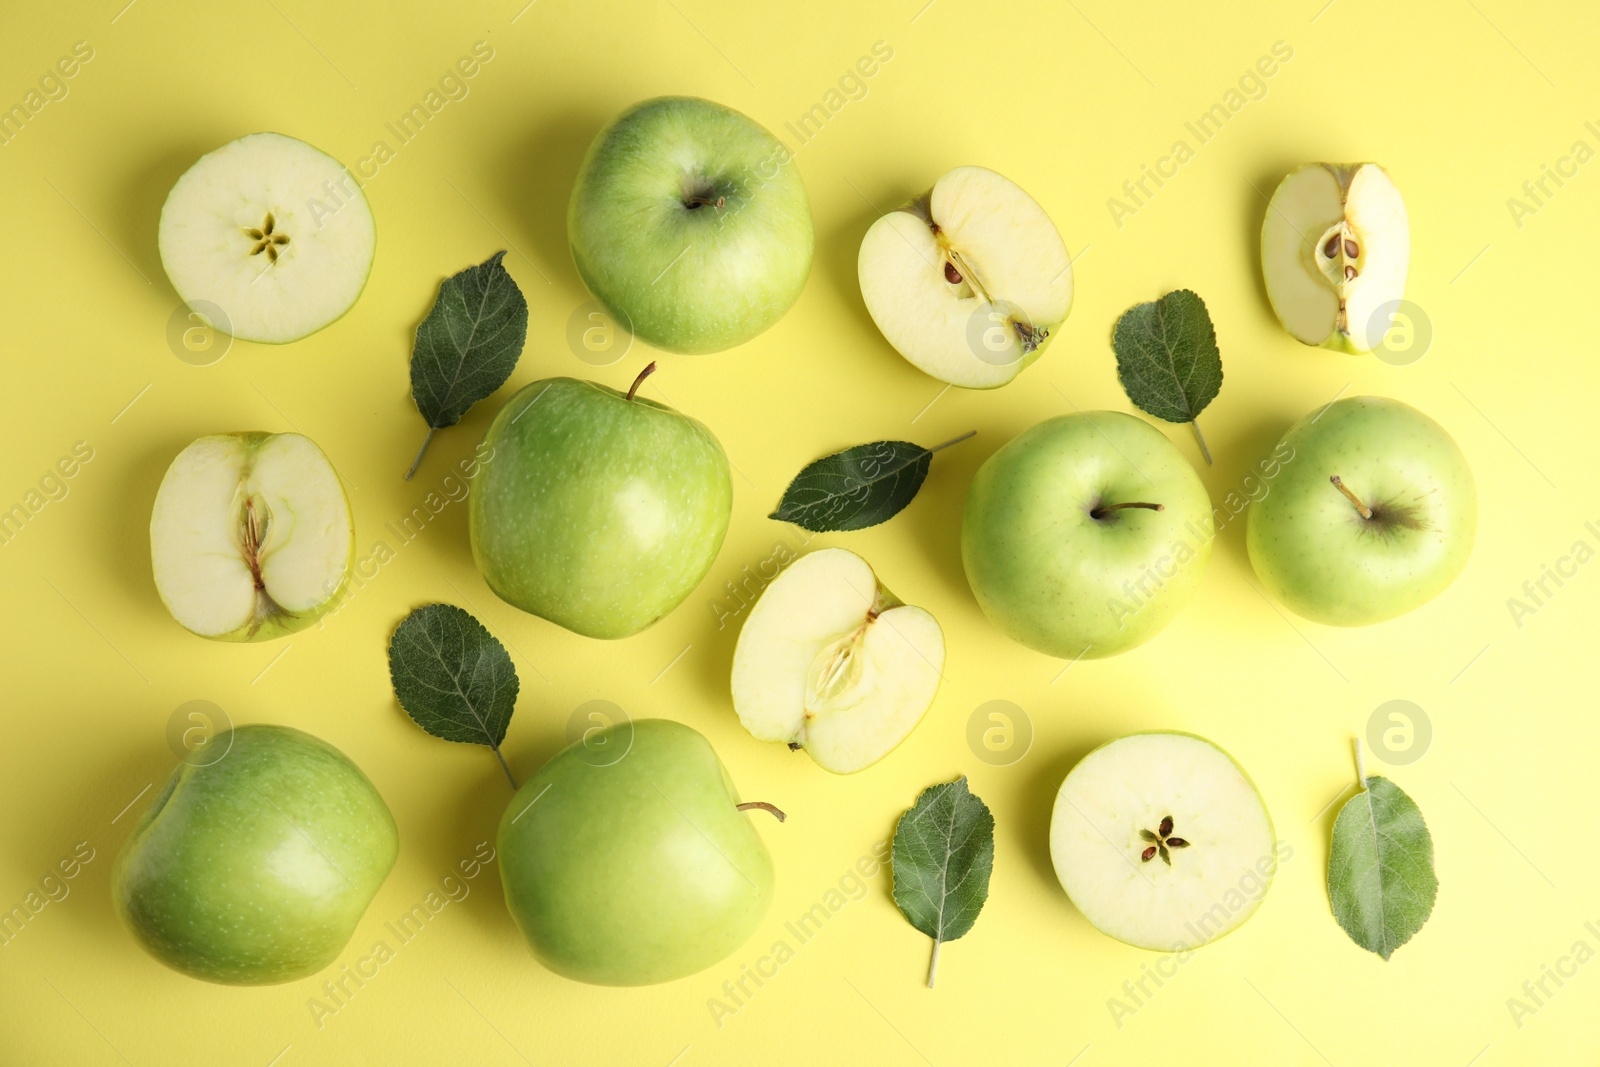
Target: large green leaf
(453,678)
(858,487)
(1380,869)
(943,853)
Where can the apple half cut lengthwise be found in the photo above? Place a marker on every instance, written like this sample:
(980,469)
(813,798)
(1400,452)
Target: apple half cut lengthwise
(831,662)
(251,537)
(1335,248)
(969,281)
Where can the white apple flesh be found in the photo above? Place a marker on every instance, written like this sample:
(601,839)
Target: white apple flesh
(1335,247)
(829,661)
(1162,841)
(251,536)
(271,231)
(968,281)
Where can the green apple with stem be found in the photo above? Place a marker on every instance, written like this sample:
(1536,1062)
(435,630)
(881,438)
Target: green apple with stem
(251,536)
(1335,248)
(1162,841)
(267,238)
(599,510)
(257,859)
(1085,535)
(1373,517)
(628,858)
(690,224)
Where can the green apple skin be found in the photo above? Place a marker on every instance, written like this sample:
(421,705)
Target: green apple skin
(1315,553)
(637,871)
(255,868)
(597,512)
(1061,581)
(654,247)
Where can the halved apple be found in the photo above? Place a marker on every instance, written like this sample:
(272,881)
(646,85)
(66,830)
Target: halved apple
(251,537)
(831,662)
(267,238)
(969,280)
(1335,246)
(1162,841)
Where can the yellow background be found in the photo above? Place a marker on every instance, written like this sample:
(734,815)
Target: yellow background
(1463,100)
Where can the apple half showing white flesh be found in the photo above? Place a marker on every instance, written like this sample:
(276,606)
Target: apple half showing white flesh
(831,662)
(267,238)
(251,537)
(968,281)
(1335,246)
(1162,841)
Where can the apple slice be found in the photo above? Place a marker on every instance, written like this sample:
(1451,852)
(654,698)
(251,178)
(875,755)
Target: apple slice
(831,662)
(267,238)
(1162,841)
(1335,246)
(967,281)
(251,537)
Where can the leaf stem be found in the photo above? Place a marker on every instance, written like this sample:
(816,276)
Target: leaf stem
(933,964)
(1194,424)
(634,388)
(1366,512)
(954,441)
(1361,764)
(496,750)
(764,806)
(426,441)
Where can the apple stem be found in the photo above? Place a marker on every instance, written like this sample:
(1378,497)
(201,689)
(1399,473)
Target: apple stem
(1201,439)
(634,388)
(954,441)
(1366,512)
(933,964)
(1361,764)
(764,806)
(1100,512)
(426,441)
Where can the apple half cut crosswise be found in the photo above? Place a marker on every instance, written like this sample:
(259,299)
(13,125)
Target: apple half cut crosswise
(1161,841)
(251,537)
(831,662)
(267,238)
(968,281)
(1335,247)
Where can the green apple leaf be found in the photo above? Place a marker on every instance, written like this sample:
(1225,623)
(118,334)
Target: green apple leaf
(1380,868)
(858,487)
(943,853)
(1167,358)
(453,678)
(467,346)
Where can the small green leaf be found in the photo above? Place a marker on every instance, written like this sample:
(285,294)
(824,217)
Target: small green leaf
(943,853)
(858,487)
(1167,358)
(1380,868)
(453,678)
(468,345)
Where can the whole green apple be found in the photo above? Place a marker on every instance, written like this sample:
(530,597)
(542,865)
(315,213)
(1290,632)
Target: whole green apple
(600,511)
(1084,535)
(254,866)
(689,222)
(633,870)
(1373,517)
